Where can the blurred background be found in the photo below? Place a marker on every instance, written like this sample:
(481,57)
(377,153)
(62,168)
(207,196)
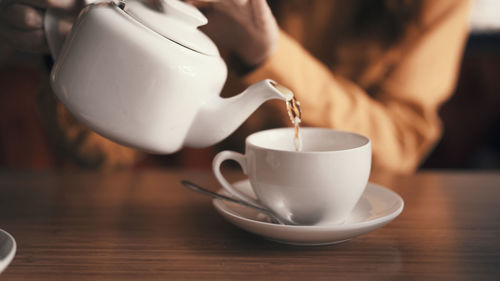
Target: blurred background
(471,118)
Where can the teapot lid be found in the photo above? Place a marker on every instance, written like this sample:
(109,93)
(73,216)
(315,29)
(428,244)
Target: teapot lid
(176,21)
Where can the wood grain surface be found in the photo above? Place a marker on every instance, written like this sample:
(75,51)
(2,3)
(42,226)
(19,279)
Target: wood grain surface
(145,226)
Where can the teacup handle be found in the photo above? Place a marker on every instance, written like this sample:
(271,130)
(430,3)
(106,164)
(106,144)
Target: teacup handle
(240,159)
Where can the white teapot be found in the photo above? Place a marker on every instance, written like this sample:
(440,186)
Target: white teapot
(147,78)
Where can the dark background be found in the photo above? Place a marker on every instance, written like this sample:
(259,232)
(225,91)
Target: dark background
(471,118)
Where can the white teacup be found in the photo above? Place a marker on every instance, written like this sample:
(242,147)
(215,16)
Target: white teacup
(319,185)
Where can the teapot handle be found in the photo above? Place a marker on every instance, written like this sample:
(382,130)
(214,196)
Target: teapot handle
(55,39)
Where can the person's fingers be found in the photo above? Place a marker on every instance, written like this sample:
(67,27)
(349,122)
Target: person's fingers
(31,41)
(22,17)
(261,10)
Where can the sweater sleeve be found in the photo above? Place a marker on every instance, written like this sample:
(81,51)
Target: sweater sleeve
(402,118)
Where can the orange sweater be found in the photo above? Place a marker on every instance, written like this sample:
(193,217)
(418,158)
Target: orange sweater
(401,116)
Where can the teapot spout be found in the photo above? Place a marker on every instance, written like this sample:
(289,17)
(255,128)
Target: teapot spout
(220,117)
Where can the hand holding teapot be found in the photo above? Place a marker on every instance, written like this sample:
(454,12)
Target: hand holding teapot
(22,22)
(147,78)
(246,28)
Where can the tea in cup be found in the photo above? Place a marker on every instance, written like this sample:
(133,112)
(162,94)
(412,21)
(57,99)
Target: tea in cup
(318,185)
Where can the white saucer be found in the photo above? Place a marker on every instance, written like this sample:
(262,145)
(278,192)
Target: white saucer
(377,207)
(7,249)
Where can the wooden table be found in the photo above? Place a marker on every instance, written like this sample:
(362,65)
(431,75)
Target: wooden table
(145,226)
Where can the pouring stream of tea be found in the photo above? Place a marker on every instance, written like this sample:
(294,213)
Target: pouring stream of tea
(295,114)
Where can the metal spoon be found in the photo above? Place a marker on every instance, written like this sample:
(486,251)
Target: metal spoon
(205,191)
